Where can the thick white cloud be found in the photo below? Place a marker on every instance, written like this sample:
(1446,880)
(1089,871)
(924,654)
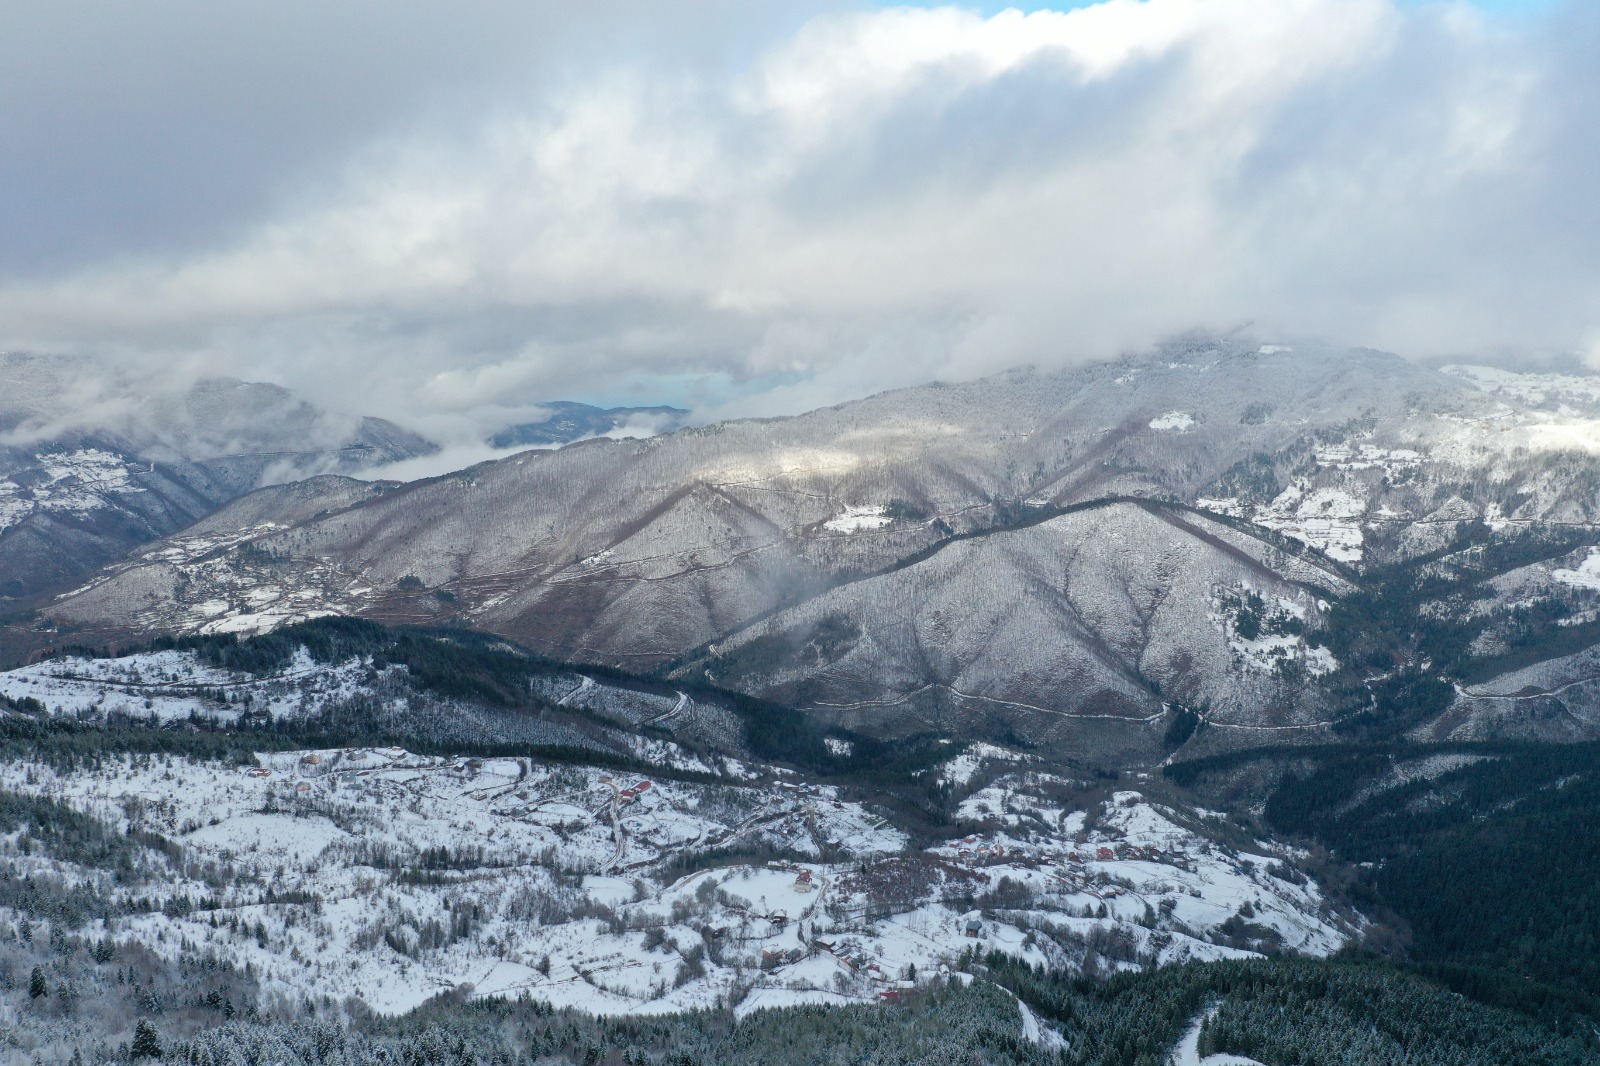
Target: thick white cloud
(879,197)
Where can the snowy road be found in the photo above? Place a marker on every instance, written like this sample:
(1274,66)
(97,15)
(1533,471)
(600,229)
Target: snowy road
(1187,1053)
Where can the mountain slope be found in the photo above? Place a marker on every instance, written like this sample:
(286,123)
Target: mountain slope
(91,466)
(1091,623)
(645,552)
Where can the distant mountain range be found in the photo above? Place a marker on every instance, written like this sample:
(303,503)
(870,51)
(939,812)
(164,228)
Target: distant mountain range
(1215,544)
(92,466)
(570,421)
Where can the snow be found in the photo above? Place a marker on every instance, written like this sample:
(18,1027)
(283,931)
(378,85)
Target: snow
(1187,1053)
(1007,616)
(1586,575)
(608,890)
(226,588)
(1036,1032)
(1531,388)
(172,685)
(775,998)
(856,519)
(1361,456)
(1328,519)
(1577,435)
(1228,505)
(1205,885)
(1172,420)
(959,770)
(1263,653)
(355,801)
(1267,650)
(75,482)
(342,825)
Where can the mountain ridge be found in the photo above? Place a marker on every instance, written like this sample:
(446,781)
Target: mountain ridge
(91,468)
(1276,467)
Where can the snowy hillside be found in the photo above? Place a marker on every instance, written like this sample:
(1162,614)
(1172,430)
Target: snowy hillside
(348,823)
(549,704)
(1090,624)
(1324,471)
(638,551)
(85,477)
(389,875)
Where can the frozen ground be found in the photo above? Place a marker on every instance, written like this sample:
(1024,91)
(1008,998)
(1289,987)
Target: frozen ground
(393,876)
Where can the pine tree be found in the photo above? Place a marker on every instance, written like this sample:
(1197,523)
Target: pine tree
(146,1043)
(36,985)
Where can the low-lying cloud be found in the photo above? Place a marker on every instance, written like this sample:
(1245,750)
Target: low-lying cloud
(814,207)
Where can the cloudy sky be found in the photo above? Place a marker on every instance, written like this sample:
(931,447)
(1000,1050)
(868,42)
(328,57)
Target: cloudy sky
(448,213)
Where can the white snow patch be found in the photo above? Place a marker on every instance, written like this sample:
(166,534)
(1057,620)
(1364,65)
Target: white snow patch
(1587,574)
(1187,1053)
(1036,1032)
(856,519)
(975,756)
(776,998)
(1172,420)
(1328,519)
(1228,505)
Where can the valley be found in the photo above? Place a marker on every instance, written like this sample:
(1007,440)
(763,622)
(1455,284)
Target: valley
(800,534)
(1099,683)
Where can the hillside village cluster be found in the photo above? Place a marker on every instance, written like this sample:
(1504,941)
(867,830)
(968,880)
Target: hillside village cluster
(395,877)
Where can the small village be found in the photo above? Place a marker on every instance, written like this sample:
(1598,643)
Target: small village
(631,892)
(399,876)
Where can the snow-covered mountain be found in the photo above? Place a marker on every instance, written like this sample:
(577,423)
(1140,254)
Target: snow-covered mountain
(1081,632)
(92,465)
(568,421)
(1114,548)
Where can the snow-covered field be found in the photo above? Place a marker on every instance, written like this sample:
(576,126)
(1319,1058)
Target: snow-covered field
(171,685)
(393,876)
(857,519)
(75,482)
(960,770)
(1586,575)
(396,848)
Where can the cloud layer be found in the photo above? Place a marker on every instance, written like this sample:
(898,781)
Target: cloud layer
(457,220)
